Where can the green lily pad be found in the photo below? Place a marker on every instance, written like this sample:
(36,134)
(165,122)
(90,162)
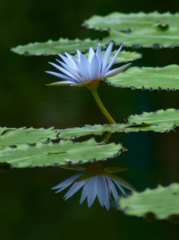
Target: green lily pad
(163,78)
(55,47)
(14,136)
(160,121)
(163,118)
(5,129)
(144,29)
(65,45)
(58,154)
(162,202)
(124,56)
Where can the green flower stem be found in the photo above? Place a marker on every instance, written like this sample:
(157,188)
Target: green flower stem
(107,137)
(101,106)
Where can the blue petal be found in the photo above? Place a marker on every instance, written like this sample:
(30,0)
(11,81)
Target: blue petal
(62,76)
(67,72)
(85,67)
(90,54)
(116,70)
(61,83)
(65,59)
(106,57)
(74,61)
(68,59)
(94,68)
(71,71)
(114,58)
(99,54)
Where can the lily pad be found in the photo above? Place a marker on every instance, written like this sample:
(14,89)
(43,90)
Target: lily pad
(161,118)
(5,129)
(55,47)
(65,45)
(14,136)
(144,29)
(162,202)
(58,154)
(124,56)
(159,121)
(163,78)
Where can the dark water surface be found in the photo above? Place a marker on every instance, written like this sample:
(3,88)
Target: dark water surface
(29,209)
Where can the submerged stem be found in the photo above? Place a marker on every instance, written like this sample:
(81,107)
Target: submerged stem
(107,137)
(101,106)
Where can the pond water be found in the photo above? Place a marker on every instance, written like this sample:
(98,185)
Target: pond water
(29,209)
(28,205)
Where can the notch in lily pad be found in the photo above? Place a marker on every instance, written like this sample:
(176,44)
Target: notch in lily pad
(162,26)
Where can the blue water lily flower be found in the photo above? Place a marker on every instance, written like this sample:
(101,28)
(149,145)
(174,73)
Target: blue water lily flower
(81,71)
(88,72)
(96,183)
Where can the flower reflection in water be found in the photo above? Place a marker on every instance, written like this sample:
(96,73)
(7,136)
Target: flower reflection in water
(97,182)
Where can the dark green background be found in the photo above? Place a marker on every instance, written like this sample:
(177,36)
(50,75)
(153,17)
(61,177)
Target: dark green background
(29,209)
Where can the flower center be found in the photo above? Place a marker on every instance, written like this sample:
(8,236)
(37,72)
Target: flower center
(93,84)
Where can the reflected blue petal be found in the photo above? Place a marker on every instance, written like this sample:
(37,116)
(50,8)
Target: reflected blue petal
(99,186)
(67,182)
(92,191)
(74,188)
(103,191)
(113,189)
(119,186)
(84,194)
